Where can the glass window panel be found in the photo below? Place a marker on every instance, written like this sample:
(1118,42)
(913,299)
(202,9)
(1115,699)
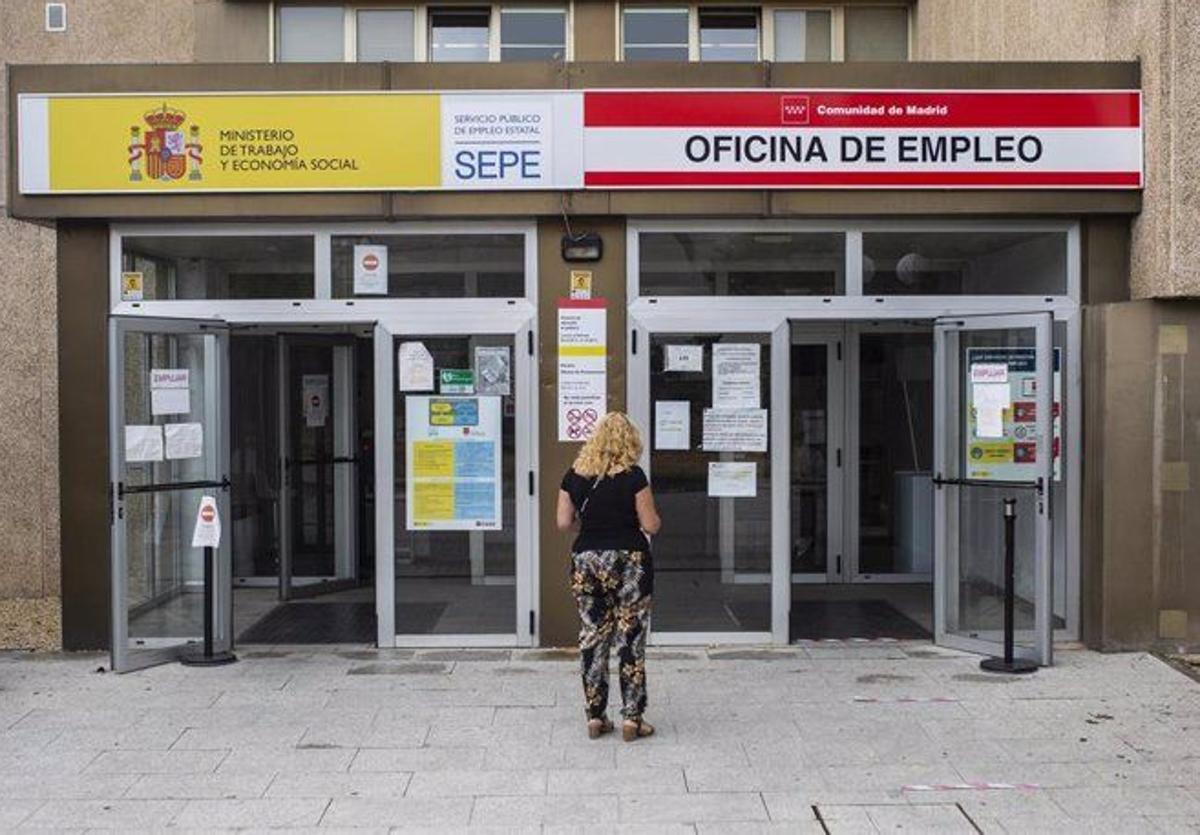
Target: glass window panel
(221,266)
(964,263)
(876,33)
(895,453)
(729,36)
(656,34)
(439,266)
(310,33)
(385,35)
(459,34)
(164,573)
(456,582)
(742,263)
(712,559)
(810,458)
(802,35)
(533,35)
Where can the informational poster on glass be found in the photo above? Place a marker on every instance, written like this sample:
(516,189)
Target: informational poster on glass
(735,375)
(735,430)
(732,479)
(315,397)
(493,370)
(453,455)
(1002,442)
(416,367)
(370,270)
(684,358)
(183,440)
(143,443)
(169,391)
(672,424)
(582,367)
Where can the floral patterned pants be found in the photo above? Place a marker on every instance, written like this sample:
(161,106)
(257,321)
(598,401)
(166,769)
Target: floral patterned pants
(613,591)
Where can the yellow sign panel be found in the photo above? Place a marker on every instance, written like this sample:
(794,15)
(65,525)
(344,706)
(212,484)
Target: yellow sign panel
(239,141)
(432,501)
(433,459)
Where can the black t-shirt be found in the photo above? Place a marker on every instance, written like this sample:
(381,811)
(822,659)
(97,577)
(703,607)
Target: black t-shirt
(609,520)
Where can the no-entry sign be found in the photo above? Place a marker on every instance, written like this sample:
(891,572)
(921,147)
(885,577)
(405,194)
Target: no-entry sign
(207,533)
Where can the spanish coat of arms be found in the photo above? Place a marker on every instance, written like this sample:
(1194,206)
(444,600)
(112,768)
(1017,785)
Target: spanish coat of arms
(164,148)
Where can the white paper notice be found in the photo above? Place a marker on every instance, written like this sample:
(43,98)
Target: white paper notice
(735,375)
(416,367)
(315,396)
(582,368)
(184,440)
(207,533)
(169,393)
(370,270)
(990,400)
(733,479)
(493,370)
(989,372)
(672,424)
(170,401)
(735,430)
(684,358)
(143,443)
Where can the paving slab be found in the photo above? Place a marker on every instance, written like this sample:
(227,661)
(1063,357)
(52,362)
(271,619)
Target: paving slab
(872,736)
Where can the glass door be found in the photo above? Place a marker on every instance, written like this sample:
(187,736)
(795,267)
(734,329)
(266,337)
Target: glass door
(993,396)
(710,402)
(318,461)
(168,417)
(455,486)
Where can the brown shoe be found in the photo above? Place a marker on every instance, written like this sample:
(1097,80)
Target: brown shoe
(636,728)
(598,727)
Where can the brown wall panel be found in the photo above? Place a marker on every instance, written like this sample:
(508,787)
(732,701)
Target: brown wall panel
(1105,260)
(83,441)
(560,625)
(595,27)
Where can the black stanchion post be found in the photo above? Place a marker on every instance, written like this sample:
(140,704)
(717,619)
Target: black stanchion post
(208,658)
(1009,664)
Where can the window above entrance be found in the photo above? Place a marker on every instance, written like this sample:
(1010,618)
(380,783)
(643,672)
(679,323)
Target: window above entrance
(772,32)
(181,267)
(742,263)
(433,266)
(420,33)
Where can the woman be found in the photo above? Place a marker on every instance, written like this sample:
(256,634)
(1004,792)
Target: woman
(606,497)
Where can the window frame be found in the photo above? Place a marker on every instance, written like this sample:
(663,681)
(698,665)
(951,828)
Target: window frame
(705,8)
(524,8)
(766,24)
(693,43)
(421,31)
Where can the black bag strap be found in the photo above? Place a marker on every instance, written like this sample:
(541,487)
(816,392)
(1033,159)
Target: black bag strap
(583,505)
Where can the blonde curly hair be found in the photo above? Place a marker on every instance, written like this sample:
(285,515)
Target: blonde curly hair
(614,447)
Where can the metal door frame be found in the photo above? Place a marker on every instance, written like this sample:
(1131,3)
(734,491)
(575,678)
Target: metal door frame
(515,319)
(837,460)
(216,455)
(642,326)
(342,391)
(947,448)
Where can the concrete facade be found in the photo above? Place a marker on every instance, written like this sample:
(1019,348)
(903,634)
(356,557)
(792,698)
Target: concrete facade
(1164,36)
(1160,34)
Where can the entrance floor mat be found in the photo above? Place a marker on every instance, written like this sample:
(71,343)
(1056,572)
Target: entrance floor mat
(815,619)
(314,622)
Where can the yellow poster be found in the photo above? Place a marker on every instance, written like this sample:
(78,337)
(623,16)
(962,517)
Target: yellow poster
(244,142)
(432,501)
(433,459)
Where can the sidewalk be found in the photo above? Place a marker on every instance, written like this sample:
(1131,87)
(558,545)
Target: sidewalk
(825,737)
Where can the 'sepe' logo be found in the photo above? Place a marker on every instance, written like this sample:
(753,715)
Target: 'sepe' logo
(793,110)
